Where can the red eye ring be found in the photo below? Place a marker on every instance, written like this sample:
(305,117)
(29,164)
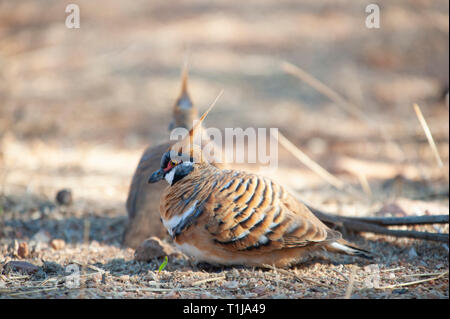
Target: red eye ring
(170,165)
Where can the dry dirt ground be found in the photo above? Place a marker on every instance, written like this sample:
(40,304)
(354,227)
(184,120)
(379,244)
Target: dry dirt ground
(78,107)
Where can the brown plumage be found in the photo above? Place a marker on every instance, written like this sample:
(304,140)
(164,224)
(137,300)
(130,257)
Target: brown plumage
(184,111)
(233,217)
(143,198)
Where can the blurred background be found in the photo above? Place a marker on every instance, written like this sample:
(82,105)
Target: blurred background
(78,106)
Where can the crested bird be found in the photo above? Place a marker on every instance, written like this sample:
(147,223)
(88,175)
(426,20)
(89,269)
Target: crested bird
(143,199)
(231,217)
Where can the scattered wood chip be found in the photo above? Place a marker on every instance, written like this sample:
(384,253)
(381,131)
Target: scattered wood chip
(58,244)
(22,250)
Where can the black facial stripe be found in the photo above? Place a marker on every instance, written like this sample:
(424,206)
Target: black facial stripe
(181,171)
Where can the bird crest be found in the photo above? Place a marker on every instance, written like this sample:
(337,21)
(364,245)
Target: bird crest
(190,146)
(184,111)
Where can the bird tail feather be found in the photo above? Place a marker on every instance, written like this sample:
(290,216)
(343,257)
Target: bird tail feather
(344,247)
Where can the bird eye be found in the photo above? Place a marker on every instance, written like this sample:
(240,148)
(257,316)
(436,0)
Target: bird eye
(171,164)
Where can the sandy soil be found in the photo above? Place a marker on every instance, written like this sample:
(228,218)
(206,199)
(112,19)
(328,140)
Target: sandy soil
(78,107)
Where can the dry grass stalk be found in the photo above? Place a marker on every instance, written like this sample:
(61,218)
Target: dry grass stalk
(339,100)
(316,168)
(200,282)
(365,184)
(17,277)
(98,270)
(49,279)
(86,230)
(351,282)
(341,274)
(160,289)
(295,276)
(322,88)
(283,271)
(428,135)
(33,291)
(392,269)
(425,274)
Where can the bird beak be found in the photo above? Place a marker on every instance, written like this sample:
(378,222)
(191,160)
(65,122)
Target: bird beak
(156,176)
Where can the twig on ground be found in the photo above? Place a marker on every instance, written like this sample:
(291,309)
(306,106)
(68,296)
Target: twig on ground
(41,284)
(341,274)
(283,271)
(161,289)
(408,220)
(17,277)
(289,273)
(425,274)
(34,291)
(354,224)
(413,282)
(199,282)
(98,270)
(392,269)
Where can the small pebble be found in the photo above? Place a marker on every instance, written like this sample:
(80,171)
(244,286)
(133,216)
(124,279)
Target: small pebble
(21,266)
(152,247)
(64,197)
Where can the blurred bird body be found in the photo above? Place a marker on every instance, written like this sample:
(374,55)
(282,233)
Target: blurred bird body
(141,205)
(232,217)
